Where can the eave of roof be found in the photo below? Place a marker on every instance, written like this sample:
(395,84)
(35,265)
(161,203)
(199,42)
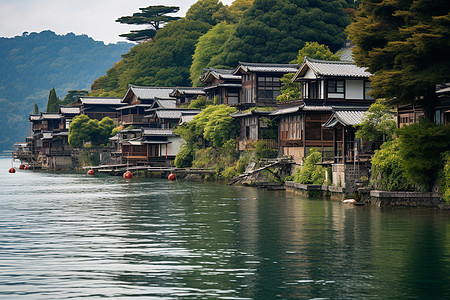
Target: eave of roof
(244,68)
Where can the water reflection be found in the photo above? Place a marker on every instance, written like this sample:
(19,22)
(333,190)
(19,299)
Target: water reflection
(67,235)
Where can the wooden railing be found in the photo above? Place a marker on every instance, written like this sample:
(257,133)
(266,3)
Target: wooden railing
(133,119)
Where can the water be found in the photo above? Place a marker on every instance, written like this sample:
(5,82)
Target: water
(72,236)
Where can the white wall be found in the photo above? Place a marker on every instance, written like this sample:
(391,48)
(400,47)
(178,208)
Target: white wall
(310,74)
(173,147)
(354,89)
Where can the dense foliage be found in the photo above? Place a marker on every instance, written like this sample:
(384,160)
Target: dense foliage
(274,30)
(445,178)
(378,123)
(388,169)
(163,62)
(154,17)
(421,147)
(31,64)
(404,44)
(311,173)
(84,130)
(204,10)
(53,102)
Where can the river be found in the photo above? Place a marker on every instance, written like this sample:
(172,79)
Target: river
(69,235)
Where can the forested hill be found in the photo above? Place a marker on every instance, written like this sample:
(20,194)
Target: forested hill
(32,64)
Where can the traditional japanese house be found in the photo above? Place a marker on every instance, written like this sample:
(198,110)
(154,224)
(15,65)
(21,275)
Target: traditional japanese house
(149,146)
(326,85)
(411,113)
(261,82)
(100,107)
(68,113)
(222,86)
(256,125)
(166,117)
(137,100)
(185,95)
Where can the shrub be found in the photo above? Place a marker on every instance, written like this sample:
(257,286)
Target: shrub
(388,172)
(445,178)
(311,173)
(184,157)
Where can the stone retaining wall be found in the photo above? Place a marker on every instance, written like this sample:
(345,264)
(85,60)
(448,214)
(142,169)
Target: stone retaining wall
(412,199)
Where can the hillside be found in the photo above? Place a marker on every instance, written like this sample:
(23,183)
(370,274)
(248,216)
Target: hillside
(32,64)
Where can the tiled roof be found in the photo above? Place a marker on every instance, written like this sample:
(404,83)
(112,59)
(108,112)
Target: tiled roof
(224,74)
(135,105)
(100,101)
(35,117)
(332,68)
(186,119)
(147,92)
(53,116)
(345,117)
(240,114)
(158,132)
(73,110)
(174,113)
(230,85)
(267,68)
(288,110)
(187,91)
(167,103)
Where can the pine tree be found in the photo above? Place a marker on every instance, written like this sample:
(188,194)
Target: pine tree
(404,44)
(53,102)
(36,109)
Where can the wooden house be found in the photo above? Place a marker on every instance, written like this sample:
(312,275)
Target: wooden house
(222,86)
(99,107)
(184,95)
(168,117)
(261,82)
(137,100)
(68,113)
(412,113)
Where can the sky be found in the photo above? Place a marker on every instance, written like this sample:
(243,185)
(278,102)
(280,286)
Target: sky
(95,18)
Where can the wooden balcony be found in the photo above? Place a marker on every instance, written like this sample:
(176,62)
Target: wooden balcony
(133,119)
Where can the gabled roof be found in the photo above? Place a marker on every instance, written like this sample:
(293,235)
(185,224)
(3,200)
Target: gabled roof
(186,118)
(51,116)
(101,101)
(164,103)
(226,85)
(174,113)
(349,117)
(245,67)
(187,91)
(331,69)
(148,92)
(224,74)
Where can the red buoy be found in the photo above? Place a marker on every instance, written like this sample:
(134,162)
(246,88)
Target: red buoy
(21,167)
(12,170)
(127,175)
(26,167)
(172,176)
(91,172)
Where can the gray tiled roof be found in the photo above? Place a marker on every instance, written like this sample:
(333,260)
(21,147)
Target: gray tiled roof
(158,132)
(334,68)
(267,68)
(187,91)
(186,119)
(230,85)
(345,117)
(35,117)
(146,92)
(101,100)
(167,103)
(220,74)
(174,113)
(53,116)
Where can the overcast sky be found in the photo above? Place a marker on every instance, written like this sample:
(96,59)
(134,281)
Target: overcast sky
(96,18)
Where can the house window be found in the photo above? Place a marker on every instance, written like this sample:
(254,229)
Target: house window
(336,86)
(366,90)
(268,87)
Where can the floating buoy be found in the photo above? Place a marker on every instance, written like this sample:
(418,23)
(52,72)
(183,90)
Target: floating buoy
(12,170)
(21,167)
(127,175)
(91,172)
(172,176)
(27,167)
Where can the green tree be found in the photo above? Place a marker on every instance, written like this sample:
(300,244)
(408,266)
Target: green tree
(404,44)
(273,30)
(36,109)
(232,13)
(292,90)
(155,16)
(164,62)
(74,95)
(82,129)
(53,102)
(209,45)
(203,10)
(378,123)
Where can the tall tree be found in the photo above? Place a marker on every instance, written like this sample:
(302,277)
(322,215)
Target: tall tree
(273,30)
(404,44)
(153,16)
(53,102)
